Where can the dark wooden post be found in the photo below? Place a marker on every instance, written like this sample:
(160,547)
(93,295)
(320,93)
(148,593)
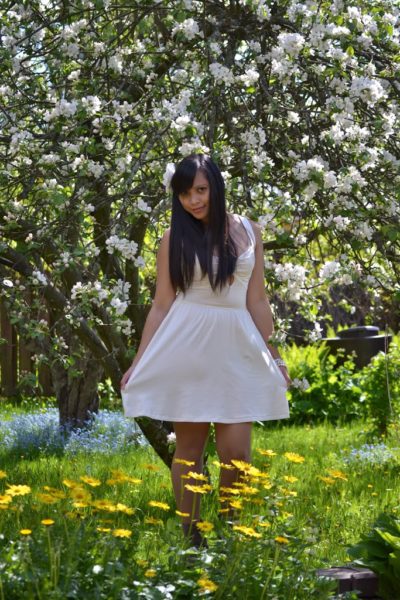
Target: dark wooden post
(8,354)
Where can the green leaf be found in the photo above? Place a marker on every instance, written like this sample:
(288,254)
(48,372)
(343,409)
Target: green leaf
(350,50)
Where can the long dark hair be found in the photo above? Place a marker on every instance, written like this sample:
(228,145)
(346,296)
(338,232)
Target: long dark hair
(190,237)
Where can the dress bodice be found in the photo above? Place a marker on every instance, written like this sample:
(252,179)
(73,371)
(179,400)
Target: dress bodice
(232,295)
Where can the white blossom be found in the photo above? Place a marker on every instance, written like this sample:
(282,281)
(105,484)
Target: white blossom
(168,174)
(127,248)
(189,28)
(221,73)
(329,269)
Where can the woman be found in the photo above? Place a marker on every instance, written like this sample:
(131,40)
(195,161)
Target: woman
(203,357)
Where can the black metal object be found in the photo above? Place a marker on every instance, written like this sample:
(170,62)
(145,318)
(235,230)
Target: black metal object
(364,341)
(353,579)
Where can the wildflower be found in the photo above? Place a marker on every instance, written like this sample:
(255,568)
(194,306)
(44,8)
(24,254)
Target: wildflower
(287,492)
(122,533)
(47,522)
(46,498)
(97,569)
(104,505)
(3,474)
(294,457)
(124,509)
(90,480)
(18,490)
(69,483)
(182,514)
(337,474)
(151,467)
(281,539)
(5,499)
(198,489)
(153,521)
(247,490)
(103,529)
(229,490)
(79,504)
(161,505)
(198,476)
(223,510)
(267,486)
(54,492)
(207,585)
(141,562)
(182,461)
(249,531)
(264,524)
(236,504)
(290,478)
(204,526)
(80,494)
(25,531)
(150,573)
(267,452)
(223,465)
(327,480)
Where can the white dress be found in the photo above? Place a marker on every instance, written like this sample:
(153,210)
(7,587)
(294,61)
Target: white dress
(207,361)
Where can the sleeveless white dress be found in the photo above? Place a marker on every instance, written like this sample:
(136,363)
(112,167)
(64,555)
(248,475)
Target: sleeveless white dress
(207,361)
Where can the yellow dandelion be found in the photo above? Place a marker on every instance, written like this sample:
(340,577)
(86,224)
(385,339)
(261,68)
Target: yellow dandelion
(104,505)
(59,494)
(47,522)
(281,539)
(92,481)
(124,509)
(79,504)
(18,490)
(223,510)
(199,476)
(267,486)
(151,467)
(337,474)
(70,483)
(3,474)
(327,480)
(122,533)
(286,515)
(153,521)
(287,492)
(182,514)
(222,465)
(204,526)
(198,489)
(5,499)
(290,478)
(267,452)
(236,504)
(182,461)
(265,524)
(161,505)
(103,529)
(294,457)
(141,562)
(257,501)
(25,531)
(47,498)
(80,494)
(229,490)
(247,490)
(207,585)
(249,531)
(241,465)
(150,573)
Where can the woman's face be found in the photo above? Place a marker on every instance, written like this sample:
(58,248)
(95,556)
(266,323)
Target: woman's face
(196,200)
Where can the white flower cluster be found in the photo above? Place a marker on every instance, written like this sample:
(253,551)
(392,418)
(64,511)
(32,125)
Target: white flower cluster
(301,384)
(143,206)
(249,77)
(369,90)
(189,28)
(63,108)
(222,74)
(168,174)
(341,223)
(291,43)
(127,248)
(293,276)
(39,278)
(329,270)
(315,334)
(304,168)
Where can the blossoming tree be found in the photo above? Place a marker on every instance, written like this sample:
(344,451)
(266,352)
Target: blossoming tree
(298,102)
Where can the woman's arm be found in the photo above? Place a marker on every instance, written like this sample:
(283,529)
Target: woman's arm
(163,299)
(257,301)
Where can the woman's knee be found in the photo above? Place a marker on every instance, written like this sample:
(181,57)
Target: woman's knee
(227,453)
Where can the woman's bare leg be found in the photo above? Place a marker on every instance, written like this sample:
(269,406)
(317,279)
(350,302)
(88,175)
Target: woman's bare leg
(233,441)
(191,439)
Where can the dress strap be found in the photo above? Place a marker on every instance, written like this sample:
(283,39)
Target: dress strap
(248,227)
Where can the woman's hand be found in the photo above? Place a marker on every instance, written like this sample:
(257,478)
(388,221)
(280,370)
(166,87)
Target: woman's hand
(286,375)
(126,376)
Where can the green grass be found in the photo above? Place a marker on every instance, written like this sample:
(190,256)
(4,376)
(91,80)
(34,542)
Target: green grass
(72,558)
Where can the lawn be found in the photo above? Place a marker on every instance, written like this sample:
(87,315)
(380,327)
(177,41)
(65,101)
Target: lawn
(94,522)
